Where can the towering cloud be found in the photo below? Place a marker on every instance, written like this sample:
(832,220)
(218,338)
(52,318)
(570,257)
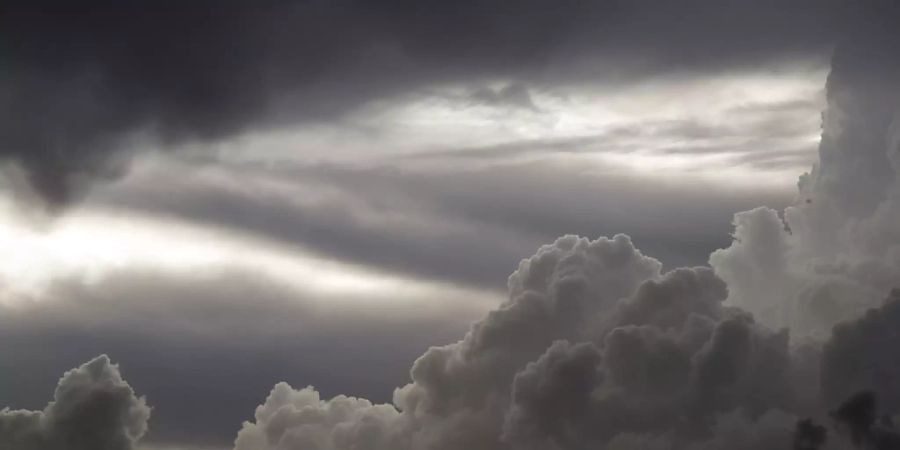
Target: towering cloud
(859,414)
(93,408)
(596,348)
(593,346)
(837,252)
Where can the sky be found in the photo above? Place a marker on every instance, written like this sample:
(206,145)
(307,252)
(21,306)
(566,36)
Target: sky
(430,225)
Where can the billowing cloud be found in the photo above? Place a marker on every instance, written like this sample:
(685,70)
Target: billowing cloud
(860,415)
(855,359)
(837,252)
(240,331)
(93,408)
(540,372)
(596,346)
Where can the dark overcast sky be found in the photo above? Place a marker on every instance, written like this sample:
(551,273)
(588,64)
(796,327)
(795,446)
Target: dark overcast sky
(222,195)
(80,76)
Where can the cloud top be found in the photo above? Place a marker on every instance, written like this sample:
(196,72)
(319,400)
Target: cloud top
(93,408)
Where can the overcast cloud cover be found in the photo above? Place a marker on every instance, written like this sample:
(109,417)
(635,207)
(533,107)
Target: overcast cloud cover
(82,77)
(230,196)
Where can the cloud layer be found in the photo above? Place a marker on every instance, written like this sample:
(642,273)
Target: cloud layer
(83,83)
(596,346)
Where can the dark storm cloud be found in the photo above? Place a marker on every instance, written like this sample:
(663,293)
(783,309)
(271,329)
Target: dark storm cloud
(594,348)
(595,345)
(809,436)
(854,358)
(597,348)
(859,414)
(79,80)
(204,348)
(93,408)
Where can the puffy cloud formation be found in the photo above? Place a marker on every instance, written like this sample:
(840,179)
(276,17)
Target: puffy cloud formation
(855,358)
(555,294)
(809,436)
(596,348)
(300,419)
(859,414)
(233,328)
(93,408)
(837,252)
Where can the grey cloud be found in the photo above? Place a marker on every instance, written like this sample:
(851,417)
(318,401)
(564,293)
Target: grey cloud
(513,95)
(93,408)
(510,150)
(773,430)
(809,436)
(82,80)
(857,419)
(855,359)
(339,422)
(790,106)
(596,347)
(759,131)
(203,346)
(552,391)
(539,372)
(859,414)
(465,225)
(651,380)
(459,391)
(833,255)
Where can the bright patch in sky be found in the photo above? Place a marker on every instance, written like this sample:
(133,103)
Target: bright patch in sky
(636,127)
(92,245)
(739,130)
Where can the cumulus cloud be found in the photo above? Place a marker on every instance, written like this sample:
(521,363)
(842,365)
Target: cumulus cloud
(239,331)
(854,359)
(93,408)
(808,435)
(836,253)
(465,386)
(341,422)
(597,348)
(593,345)
(859,414)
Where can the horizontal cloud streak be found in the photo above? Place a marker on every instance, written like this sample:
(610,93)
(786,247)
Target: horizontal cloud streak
(82,81)
(464,226)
